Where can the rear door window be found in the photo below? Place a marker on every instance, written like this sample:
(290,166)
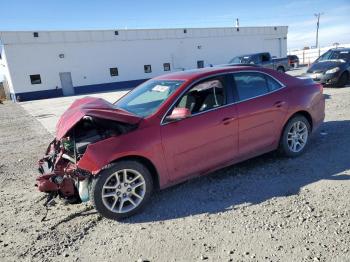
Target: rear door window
(254,84)
(250,85)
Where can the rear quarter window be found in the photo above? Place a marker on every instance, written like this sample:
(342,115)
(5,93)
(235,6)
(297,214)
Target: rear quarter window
(272,83)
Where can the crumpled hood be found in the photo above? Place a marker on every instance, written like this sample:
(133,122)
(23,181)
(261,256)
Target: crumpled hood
(90,106)
(323,66)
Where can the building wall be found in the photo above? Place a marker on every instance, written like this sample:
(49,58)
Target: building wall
(88,55)
(7,79)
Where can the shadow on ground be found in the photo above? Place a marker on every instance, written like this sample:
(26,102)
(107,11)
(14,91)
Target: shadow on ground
(256,180)
(335,87)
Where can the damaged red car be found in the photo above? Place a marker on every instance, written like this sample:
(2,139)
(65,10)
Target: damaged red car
(172,128)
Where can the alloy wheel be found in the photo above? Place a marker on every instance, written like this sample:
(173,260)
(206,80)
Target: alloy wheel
(123,191)
(297,136)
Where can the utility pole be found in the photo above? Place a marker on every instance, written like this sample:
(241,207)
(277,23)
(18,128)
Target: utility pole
(318,25)
(237,24)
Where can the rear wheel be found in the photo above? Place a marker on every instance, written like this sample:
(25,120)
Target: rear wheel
(281,69)
(121,190)
(343,79)
(295,136)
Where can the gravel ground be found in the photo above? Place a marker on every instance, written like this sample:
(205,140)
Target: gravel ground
(265,209)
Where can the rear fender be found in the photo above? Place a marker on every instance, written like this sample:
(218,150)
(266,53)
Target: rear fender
(308,99)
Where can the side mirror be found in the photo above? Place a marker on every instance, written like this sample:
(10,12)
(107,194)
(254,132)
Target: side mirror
(179,113)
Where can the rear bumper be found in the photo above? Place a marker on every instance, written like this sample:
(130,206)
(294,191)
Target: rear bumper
(318,123)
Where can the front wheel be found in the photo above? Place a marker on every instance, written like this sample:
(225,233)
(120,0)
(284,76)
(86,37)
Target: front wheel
(281,69)
(121,190)
(295,136)
(343,79)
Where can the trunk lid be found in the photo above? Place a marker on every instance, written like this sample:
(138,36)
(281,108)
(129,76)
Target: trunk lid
(95,107)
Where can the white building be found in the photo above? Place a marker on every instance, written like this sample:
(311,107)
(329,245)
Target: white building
(47,64)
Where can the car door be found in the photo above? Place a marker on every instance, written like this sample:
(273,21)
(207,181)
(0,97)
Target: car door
(266,60)
(206,139)
(262,107)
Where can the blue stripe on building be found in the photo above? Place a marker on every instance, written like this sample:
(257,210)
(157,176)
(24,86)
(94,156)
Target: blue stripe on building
(105,87)
(43,94)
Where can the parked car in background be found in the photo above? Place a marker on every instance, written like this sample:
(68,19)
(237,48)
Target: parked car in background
(293,61)
(175,127)
(331,68)
(263,59)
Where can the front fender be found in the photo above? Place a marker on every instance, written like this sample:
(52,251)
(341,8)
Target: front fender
(102,153)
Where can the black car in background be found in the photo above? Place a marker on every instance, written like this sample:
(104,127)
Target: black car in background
(293,60)
(331,68)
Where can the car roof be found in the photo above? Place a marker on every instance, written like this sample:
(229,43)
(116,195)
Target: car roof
(340,49)
(193,74)
(252,54)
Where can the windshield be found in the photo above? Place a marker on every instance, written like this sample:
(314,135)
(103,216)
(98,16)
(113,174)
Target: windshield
(145,99)
(332,54)
(242,60)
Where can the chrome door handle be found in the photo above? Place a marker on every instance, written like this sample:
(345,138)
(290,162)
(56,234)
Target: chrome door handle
(228,120)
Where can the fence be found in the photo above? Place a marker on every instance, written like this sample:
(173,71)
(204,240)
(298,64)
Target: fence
(2,92)
(308,56)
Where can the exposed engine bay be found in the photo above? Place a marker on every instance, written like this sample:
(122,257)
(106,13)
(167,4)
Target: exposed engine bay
(60,175)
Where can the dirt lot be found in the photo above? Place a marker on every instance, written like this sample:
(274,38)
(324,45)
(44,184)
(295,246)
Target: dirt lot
(265,209)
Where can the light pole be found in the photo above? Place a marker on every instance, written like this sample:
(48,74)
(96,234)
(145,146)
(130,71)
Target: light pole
(318,25)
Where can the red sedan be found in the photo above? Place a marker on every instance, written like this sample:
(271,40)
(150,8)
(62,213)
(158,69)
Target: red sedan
(175,127)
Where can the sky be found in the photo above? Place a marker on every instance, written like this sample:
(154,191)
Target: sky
(107,14)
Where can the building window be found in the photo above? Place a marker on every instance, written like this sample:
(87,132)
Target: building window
(116,32)
(185,31)
(166,66)
(114,71)
(35,79)
(36,34)
(200,64)
(147,68)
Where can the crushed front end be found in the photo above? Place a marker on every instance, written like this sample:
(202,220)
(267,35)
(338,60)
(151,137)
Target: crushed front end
(59,174)
(87,121)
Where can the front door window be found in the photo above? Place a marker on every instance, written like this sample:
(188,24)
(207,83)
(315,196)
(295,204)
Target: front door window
(204,96)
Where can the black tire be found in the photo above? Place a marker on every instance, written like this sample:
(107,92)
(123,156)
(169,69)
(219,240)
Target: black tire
(98,183)
(284,146)
(343,80)
(281,69)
